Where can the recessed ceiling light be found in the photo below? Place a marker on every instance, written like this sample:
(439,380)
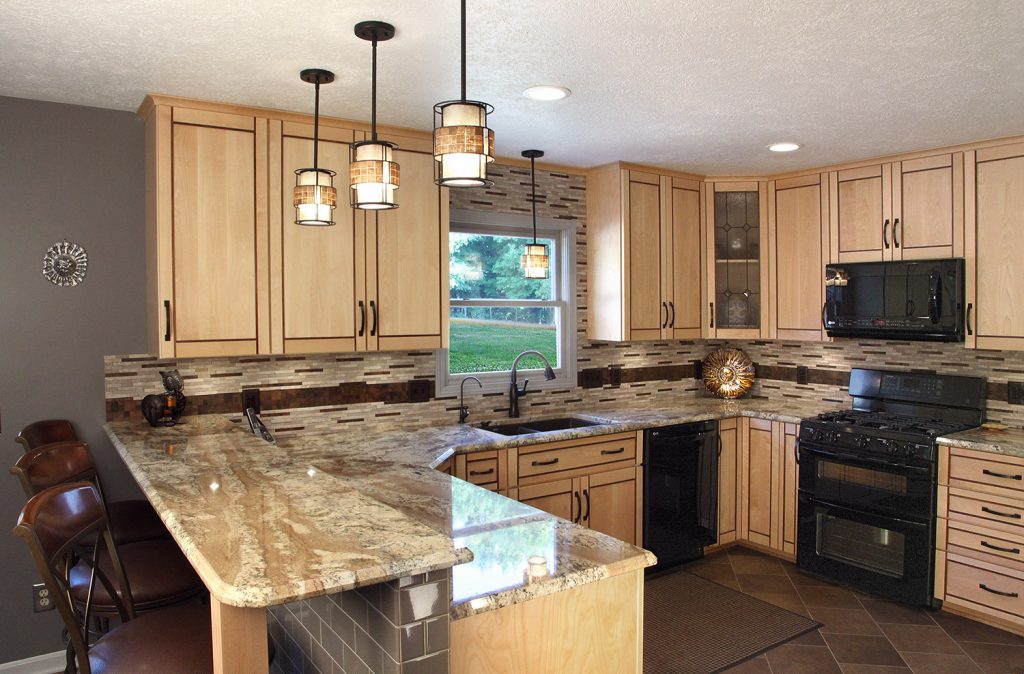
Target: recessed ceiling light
(783,147)
(546,92)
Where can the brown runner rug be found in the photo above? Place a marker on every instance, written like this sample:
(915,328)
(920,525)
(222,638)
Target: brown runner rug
(695,626)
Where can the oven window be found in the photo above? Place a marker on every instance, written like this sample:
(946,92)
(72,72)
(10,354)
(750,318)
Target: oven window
(876,480)
(868,547)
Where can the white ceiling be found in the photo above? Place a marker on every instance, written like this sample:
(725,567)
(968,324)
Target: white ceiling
(700,86)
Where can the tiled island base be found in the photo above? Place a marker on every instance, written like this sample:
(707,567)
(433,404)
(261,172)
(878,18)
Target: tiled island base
(397,627)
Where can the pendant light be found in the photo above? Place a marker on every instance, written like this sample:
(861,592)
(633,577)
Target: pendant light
(463,145)
(535,260)
(373,173)
(314,195)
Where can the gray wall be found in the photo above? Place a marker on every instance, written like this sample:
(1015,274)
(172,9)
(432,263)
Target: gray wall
(77,173)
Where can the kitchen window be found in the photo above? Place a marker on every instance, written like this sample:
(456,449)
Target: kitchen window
(496,313)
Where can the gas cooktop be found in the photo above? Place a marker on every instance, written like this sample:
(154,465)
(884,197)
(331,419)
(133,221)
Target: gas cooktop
(854,420)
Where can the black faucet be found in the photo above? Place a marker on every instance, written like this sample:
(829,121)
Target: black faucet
(514,392)
(463,410)
(257,426)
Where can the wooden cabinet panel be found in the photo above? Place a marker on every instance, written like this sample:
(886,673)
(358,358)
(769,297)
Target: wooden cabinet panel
(609,503)
(759,482)
(684,260)
(862,210)
(579,456)
(728,492)
(214,238)
(646,313)
(798,257)
(789,475)
(927,207)
(560,498)
(987,586)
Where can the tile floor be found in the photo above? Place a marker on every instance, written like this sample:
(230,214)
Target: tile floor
(860,634)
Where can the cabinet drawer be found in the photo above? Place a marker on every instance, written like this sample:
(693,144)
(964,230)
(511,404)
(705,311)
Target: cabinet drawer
(482,472)
(993,545)
(988,588)
(1003,515)
(988,472)
(568,458)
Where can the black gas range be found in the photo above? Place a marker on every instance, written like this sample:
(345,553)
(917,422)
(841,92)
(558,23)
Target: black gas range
(867,480)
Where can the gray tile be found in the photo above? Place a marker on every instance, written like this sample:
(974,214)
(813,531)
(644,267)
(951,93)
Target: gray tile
(352,664)
(342,624)
(322,660)
(320,606)
(354,606)
(367,649)
(431,664)
(423,601)
(412,638)
(384,632)
(438,634)
(333,644)
(388,600)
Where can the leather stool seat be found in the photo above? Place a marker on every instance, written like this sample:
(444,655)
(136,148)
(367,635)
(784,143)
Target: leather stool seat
(157,571)
(134,520)
(152,643)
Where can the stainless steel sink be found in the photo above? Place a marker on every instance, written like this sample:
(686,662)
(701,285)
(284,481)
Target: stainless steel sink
(538,426)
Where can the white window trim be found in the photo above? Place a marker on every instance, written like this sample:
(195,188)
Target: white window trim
(564,234)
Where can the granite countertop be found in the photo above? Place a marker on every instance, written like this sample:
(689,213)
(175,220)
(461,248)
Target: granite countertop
(1009,441)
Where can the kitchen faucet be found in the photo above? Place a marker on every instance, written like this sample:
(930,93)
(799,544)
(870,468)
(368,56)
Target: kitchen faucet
(257,426)
(514,392)
(463,410)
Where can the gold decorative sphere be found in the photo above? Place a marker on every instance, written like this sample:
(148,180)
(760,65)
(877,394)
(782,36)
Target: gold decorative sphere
(728,373)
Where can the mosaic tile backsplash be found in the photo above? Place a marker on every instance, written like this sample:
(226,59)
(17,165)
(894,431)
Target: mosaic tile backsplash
(302,394)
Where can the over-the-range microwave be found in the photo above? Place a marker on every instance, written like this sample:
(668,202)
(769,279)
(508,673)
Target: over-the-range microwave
(906,299)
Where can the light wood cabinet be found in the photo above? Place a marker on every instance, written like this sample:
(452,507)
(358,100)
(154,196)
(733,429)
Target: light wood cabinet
(861,213)
(798,232)
(643,247)
(994,194)
(728,487)
(768,485)
(562,498)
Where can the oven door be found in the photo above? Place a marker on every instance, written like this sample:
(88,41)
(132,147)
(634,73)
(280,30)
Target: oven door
(886,556)
(868,483)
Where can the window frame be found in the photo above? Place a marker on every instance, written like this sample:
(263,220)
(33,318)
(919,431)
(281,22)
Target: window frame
(563,232)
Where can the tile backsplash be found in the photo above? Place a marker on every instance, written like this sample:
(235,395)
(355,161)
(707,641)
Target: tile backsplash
(327,391)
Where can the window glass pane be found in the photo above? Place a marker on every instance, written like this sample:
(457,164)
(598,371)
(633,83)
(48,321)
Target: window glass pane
(484,266)
(487,339)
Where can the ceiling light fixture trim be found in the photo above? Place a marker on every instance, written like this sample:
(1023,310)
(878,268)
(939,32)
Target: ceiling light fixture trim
(784,147)
(374,175)
(314,196)
(547,92)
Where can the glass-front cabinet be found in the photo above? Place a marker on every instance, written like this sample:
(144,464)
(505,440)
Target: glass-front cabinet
(737,221)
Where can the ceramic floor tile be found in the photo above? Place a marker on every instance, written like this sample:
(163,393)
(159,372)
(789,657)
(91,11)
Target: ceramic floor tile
(756,564)
(802,660)
(715,572)
(873,669)
(827,597)
(938,663)
(812,638)
(922,638)
(790,602)
(890,612)
(765,583)
(758,665)
(996,658)
(962,629)
(863,650)
(845,621)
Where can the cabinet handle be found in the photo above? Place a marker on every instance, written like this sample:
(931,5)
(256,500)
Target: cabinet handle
(1004,476)
(970,310)
(1013,516)
(546,463)
(481,472)
(986,588)
(664,321)
(895,231)
(362,318)
(579,508)
(885,233)
(373,309)
(608,452)
(1012,551)
(167,320)
(796,450)
(712,306)
(586,493)
(672,306)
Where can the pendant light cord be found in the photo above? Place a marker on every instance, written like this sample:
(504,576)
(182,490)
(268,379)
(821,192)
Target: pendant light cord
(463,49)
(533,196)
(316,126)
(373,95)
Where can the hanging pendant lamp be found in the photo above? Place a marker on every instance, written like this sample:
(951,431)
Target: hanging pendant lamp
(314,196)
(463,145)
(373,173)
(535,261)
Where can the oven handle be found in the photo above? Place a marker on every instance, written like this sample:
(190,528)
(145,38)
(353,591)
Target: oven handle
(865,460)
(836,506)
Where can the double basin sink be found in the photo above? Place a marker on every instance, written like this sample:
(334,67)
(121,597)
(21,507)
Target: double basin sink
(527,427)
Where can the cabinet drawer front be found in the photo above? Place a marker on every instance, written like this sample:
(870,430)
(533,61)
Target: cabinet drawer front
(568,458)
(983,512)
(991,544)
(987,588)
(993,473)
(482,472)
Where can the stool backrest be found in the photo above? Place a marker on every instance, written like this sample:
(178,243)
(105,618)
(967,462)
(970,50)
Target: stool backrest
(44,432)
(55,523)
(53,464)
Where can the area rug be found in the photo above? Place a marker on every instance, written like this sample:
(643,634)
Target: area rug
(695,626)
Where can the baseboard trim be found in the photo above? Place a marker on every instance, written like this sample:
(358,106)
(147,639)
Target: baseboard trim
(48,663)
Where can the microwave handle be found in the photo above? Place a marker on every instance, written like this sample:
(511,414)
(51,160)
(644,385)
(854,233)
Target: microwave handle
(934,297)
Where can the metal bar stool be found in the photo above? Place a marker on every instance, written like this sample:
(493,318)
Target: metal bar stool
(60,520)
(158,572)
(131,520)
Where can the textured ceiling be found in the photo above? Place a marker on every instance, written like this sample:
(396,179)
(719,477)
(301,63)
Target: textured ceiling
(700,86)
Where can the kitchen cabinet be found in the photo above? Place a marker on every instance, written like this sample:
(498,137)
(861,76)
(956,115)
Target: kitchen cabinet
(799,250)
(768,485)
(994,194)
(643,255)
(728,472)
(904,210)
(736,275)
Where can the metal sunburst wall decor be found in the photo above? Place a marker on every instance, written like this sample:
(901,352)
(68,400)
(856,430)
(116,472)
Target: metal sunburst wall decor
(728,373)
(65,264)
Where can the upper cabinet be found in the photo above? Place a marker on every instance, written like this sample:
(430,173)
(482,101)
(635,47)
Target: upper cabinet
(736,240)
(230,273)
(643,255)
(905,210)
(995,246)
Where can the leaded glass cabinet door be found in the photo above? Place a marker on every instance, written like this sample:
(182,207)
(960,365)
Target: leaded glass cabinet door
(737,302)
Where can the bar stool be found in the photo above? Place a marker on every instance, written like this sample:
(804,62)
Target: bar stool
(59,520)
(131,520)
(158,572)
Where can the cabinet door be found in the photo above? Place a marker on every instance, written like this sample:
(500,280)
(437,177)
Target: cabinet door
(995,247)
(218,225)
(861,221)
(683,257)
(927,207)
(799,252)
(610,504)
(788,474)
(561,498)
(759,482)
(647,314)
(728,433)
(407,262)
(314,287)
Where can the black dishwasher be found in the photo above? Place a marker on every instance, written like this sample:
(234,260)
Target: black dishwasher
(680,492)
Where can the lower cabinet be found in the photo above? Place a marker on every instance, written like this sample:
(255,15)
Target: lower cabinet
(768,484)
(728,474)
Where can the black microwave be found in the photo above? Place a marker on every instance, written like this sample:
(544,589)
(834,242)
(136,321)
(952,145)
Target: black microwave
(906,299)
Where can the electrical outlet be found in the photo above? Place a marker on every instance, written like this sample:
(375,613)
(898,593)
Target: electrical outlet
(1015,393)
(251,398)
(41,600)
